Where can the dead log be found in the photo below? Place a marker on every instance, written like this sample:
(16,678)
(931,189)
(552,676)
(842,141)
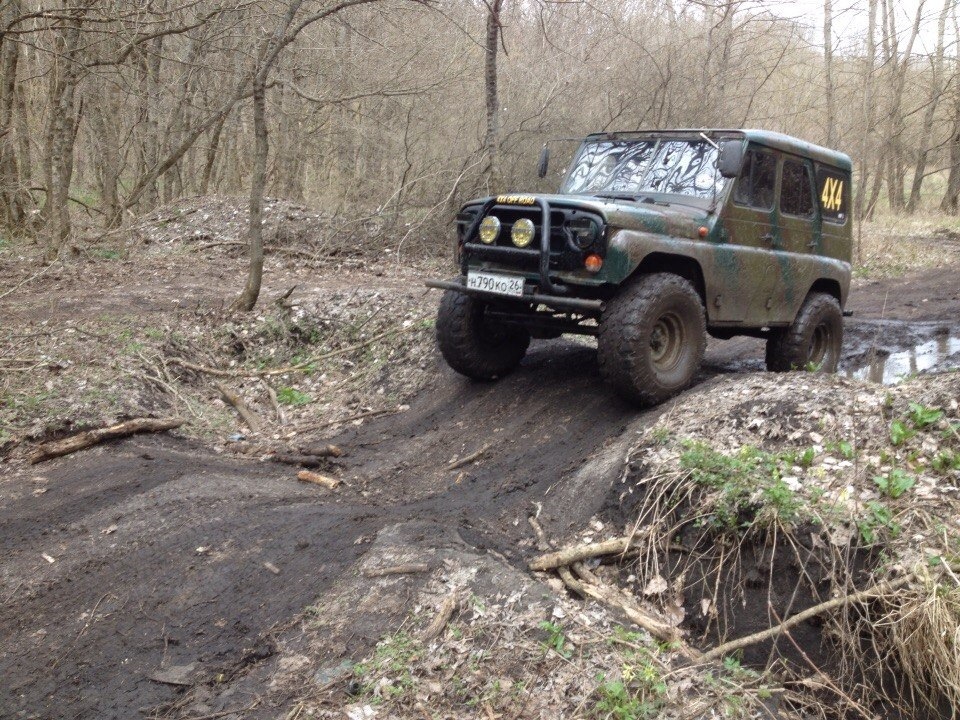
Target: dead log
(89,438)
(248,415)
(328,482)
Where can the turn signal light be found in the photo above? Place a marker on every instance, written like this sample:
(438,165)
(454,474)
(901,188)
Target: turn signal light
(702,232)
(593,262)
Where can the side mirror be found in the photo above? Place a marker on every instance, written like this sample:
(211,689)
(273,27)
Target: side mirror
(544,162)
(730,160)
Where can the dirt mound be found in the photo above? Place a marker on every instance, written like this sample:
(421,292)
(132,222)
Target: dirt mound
(762,496)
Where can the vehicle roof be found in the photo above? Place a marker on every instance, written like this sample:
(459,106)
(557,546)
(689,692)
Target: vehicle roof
(767,138)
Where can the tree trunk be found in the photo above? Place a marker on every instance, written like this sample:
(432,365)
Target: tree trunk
(866,138)
(949,203)
(828,69)
(61,130)
(211,155)
(896,171)
(492,142)
(12,205)
(936,90)
(251,291)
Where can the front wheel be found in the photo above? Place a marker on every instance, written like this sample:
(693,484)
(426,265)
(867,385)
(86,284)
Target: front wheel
(652,338)
(472,343)
(813,339)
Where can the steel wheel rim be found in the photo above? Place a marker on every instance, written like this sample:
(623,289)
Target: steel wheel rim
(666,342)
(819,344)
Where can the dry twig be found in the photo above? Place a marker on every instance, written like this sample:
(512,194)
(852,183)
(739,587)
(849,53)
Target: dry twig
(457,464)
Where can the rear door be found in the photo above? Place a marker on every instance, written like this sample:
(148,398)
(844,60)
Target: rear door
(799,234)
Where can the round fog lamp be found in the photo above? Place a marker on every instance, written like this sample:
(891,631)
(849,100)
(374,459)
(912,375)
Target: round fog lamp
(522,232)
(489,229)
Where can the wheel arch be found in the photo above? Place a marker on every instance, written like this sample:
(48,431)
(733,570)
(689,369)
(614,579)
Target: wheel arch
(682,265)
(828,286)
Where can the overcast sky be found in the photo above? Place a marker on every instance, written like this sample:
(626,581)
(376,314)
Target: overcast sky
(850,19)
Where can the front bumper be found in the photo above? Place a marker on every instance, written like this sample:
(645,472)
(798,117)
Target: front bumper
(558,303)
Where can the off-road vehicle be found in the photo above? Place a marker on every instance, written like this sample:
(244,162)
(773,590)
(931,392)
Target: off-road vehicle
(654,239)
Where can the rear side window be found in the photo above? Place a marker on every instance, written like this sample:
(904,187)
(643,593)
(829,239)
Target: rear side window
(756,183)
(796,190)
(833,192)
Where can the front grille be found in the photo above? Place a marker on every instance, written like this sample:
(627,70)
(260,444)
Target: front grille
(564,255)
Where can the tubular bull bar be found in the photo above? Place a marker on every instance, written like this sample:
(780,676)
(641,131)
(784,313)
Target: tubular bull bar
(556,290)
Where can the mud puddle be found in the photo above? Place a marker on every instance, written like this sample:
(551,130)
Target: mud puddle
(899,350)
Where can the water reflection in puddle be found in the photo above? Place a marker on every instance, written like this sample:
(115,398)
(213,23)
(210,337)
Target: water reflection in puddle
(890,368)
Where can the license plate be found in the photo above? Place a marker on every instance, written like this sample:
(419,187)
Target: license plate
(500,284)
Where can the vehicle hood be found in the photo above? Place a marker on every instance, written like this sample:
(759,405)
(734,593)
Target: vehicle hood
(662,218)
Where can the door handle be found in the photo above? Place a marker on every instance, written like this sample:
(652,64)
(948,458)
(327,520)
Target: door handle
(768,238)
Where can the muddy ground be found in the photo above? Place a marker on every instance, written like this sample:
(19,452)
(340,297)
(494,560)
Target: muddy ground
(176,568)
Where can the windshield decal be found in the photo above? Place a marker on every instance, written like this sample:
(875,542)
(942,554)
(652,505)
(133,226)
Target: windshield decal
(638,167)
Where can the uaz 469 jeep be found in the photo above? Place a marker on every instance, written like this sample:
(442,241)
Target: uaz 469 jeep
(655,239)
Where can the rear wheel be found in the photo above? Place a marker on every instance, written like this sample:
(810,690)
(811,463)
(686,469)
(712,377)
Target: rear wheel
(473,344)
(652,338)
(812,341)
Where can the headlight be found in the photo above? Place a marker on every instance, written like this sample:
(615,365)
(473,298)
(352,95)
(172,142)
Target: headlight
(522,232)
(489,229)
(584,231)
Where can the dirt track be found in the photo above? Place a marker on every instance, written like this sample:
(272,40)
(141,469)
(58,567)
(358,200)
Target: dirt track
(181,579)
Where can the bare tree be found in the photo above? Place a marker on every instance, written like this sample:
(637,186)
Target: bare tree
(936,90)
(492,140)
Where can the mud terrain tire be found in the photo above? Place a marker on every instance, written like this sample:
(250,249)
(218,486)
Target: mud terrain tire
(652,338)
(815,336)
(474,345)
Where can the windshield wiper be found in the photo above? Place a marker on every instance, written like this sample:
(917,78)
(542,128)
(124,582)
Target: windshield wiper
(617,195)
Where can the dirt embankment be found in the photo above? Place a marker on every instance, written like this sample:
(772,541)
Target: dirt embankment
(194,578)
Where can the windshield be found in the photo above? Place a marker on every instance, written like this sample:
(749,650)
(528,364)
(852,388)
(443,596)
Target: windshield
(640,167)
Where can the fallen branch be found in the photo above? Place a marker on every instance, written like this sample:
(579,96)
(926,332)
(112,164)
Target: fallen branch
(457,464)
(307,461)
(396,570)
(447,608)
(328,482)
(23,282)
(322,451)
(89,438)
(275,403)
(593,587)
(872,591)
(249,417)
(570,555)
(291,368)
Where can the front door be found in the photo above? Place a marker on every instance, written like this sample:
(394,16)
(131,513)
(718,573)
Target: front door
(751,274)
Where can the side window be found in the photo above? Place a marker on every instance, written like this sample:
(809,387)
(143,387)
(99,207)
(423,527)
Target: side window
(833,192)
(757,180)
(796,190)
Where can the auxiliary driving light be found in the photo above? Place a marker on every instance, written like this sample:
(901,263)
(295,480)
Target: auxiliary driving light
(593,262)
(522,232)
(489,230)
